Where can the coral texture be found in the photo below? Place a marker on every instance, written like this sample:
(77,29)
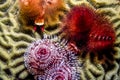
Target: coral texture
(13,43)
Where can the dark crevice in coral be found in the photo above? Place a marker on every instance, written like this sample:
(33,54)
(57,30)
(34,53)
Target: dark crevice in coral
(118,35)
(21,47)
(1,79)
(100,57)
(2,1)
(108,66)
(102,5)
(81,44)
(3,59)
(28,32)
(107,6)
(92,55)
(93,4)
(93,73)
(4,37)
(17,74)
(51,28)
(60,17)
(113,77)
(21,38)
(7,48)
(117,45)
(116,20)
(114,52)
(83,55)
(110,58)
(8,72)
(117,28)
(108,13)
(86,76)
(4,9)
(17,56)
(104,78)
(118,61)
(29,77)
(18,64)
(107,54)
(1,29)
(70,5)
(7,23)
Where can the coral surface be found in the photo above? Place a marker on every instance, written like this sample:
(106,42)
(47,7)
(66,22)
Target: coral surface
(14,41)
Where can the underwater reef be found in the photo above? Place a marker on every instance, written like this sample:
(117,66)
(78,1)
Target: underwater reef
(15,39)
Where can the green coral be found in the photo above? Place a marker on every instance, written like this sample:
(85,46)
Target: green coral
(13,42)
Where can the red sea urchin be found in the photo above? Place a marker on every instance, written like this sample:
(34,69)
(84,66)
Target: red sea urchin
(45,55)
(84,25)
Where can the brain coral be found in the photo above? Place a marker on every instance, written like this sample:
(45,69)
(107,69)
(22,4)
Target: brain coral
(13,43)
